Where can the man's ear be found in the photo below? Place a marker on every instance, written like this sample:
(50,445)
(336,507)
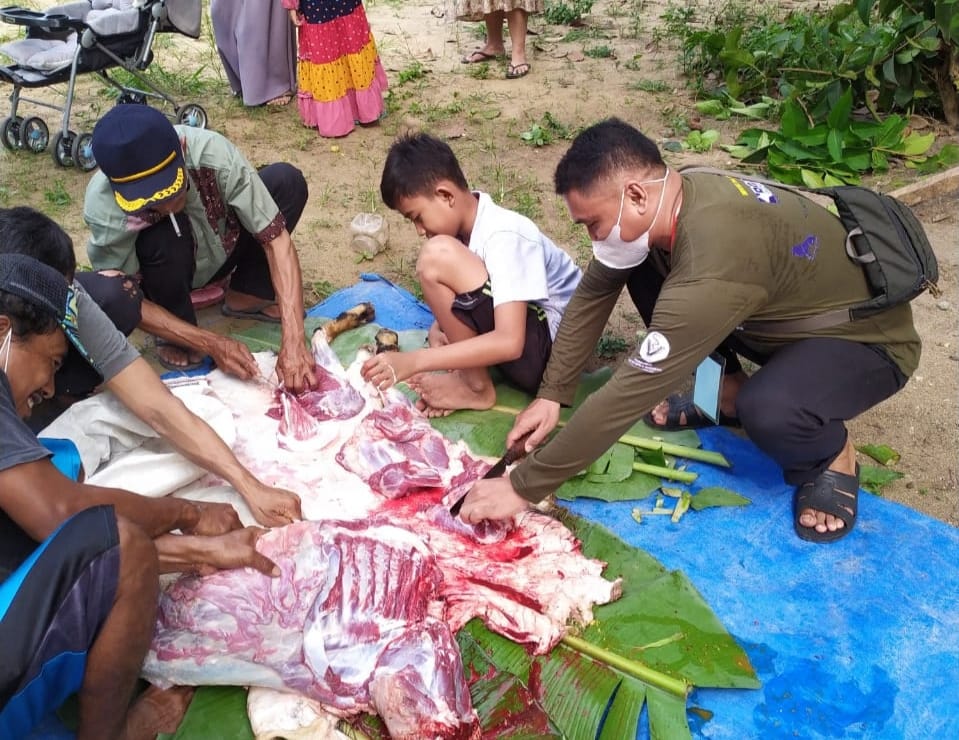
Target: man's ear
(636,195)
(5,324)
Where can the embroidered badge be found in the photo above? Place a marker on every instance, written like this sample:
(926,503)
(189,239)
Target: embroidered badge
(762,193)
(807,248)
(654,347)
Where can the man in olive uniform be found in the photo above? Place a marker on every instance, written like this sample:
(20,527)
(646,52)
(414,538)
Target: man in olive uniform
(712,262)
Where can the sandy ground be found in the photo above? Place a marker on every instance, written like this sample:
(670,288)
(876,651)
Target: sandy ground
(608,70)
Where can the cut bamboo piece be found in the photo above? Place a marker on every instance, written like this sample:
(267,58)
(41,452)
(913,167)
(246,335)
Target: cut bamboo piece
(676,686)
(689,453)
(681,475)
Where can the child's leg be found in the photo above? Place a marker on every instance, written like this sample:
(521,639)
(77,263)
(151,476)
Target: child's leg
(446,270)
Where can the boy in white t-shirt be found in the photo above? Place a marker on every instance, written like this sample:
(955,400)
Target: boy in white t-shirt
(496,284)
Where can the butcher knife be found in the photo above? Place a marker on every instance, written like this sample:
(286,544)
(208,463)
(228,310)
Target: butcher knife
(514,454)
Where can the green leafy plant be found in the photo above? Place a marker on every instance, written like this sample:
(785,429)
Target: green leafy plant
(413,71)
(701,141)
(562,13)
(546,131)
(610,346)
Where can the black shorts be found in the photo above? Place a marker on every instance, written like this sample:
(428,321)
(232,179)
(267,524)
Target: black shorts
(475,310)
(52,607)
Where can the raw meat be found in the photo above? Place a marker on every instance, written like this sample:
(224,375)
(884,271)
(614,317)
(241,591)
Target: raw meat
(385,464)
(351,622)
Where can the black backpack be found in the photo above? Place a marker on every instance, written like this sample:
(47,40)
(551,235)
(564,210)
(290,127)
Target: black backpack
(883,236)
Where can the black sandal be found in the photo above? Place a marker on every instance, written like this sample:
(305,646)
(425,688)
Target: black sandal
(695,418)
(831,493)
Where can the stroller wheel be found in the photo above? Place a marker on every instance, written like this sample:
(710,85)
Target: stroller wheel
(62,150)
(191,114)
(10,133)
(82,152)
(34,135)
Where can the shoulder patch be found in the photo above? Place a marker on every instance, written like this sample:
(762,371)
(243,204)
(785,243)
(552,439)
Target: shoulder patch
(762,193)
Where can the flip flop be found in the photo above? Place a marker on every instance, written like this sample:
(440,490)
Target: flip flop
(173,366)
(832,493)
(483,56)
(515,71)
(253,314)
(695,418)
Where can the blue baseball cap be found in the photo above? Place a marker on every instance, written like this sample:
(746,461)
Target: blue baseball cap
(139,151)
(46,289)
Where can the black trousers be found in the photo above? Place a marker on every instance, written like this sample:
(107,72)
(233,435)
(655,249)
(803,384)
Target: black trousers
(120,298)
(794,408)
(167,262)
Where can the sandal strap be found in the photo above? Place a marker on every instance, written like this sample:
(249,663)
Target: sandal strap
(832,493)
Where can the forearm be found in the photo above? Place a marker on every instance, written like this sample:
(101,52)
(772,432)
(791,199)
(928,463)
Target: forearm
(179,553)
(288,285)
(139,388)
(583,323)
(155,516)
(156,320)
(483,350)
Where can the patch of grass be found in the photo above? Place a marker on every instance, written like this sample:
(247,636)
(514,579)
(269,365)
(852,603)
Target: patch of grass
(610,346)
(57,195)
(562,13)
(526,203)
(584,34)
(547,130)
(478,71)
(413,71)
(321,290)
(599,52)
(4,194)
(650,86)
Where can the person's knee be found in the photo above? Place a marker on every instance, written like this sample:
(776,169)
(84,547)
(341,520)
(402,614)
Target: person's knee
(119,296)
(289,189)
(765,411)
(436,258)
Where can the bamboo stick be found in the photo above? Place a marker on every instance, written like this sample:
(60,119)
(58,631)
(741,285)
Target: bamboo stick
(676,686)
(690,453)
(683,476)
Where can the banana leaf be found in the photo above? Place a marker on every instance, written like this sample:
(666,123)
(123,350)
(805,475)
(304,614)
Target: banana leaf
(716,496)
(216,711)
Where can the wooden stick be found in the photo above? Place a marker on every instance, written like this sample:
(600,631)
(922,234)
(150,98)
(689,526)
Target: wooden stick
(676,686)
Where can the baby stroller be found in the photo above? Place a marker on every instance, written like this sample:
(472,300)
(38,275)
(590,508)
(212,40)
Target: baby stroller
(88,36)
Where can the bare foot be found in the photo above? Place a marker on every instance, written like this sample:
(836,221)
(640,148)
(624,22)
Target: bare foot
(173,356)
(844,463)
(449,392)
(157,710)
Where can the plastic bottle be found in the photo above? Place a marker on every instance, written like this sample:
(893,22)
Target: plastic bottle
(371,234)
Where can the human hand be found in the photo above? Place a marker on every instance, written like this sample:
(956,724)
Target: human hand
(538,419)
(435,336)
(273,507)
(236,550)
(234,357)
(295,18)
(494,499)
(213,519)
(387,369)
(295,367)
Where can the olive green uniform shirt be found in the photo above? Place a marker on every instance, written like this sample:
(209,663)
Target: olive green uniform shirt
(742,251)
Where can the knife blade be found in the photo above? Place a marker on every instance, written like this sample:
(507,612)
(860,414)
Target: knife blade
(515,453)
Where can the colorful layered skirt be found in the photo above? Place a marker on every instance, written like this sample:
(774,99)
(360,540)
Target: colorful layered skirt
(341,80)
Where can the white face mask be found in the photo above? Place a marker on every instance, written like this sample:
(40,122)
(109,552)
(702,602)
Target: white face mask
(618,254)
(5,349)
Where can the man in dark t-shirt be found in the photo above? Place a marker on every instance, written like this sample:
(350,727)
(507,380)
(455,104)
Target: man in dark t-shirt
(707,259)
(79,564)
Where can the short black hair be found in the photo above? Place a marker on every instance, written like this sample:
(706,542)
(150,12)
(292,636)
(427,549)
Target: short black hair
(24,230)
(601,151)
(26,318)
(414,164)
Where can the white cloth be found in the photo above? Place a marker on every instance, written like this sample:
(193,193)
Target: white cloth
(522,262)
